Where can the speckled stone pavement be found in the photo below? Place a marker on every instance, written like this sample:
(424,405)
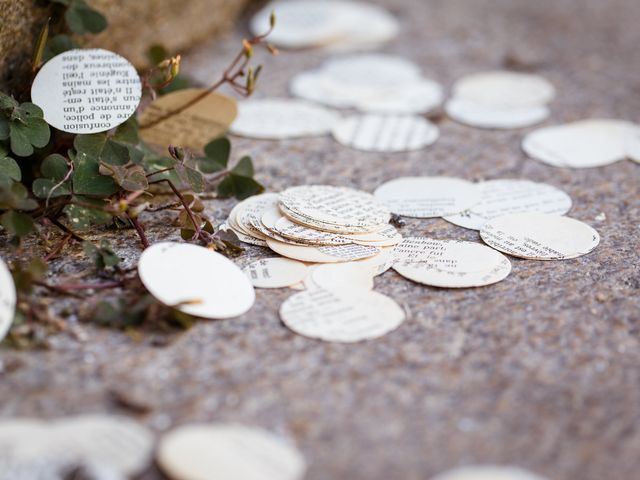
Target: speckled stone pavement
(541,370)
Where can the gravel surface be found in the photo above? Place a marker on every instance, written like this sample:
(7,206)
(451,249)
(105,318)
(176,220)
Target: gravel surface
(540,370)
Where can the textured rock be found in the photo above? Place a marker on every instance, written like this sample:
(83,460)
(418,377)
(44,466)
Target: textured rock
(540,370)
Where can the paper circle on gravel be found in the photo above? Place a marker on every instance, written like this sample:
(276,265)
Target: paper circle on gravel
(333,316)
(87,90)
(282,118)
(449,263)
(540,236)
(301,233)
(582,144)
(371,70)
(365,25)
(7,299)
(299,24)
(328,254)
(481,115)
(196,280)
(227,452)
(412,98)
(343,277)
(426,197)
(385,133)
(487,472)
(502,88)
(335,205)
(632,144)
(192,127)
(276,272)
(503,197)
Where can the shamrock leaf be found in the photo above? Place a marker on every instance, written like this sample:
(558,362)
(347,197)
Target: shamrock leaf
(14,195)
(9,168)
(54,170)
(87,212)
(239,183)
(103,256)
(57,45)
(16,223)
(130,177)
(216,156)
(81,18)
(191,177)
(23,125)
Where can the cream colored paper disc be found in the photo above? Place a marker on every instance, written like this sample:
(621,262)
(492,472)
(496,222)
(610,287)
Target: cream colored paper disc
(371,70)
(582,144)
(196,280)
(276,272)
(343,277)
(282,118)
(428,274)
(487,472)
(503,88)
(333,254)
(632,144)
(412,98)
(301,233)
(193,127)
(87,90)
(426,197)
(540,236)
(332,316)
(7,299)
(385,133)
(227,452)
(503,197)
(480,115)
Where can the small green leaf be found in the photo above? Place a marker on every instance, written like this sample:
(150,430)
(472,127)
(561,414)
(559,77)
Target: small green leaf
(82,217)
(27,129)
(4,128)
(10,168)
(131,178)
(191,177)
(57,45)
(216,155)
(244,167)
(87,179)
(54,169)
(104,257)
(100,147)
(239,187)
(127,132)
(16,223)
(82,19)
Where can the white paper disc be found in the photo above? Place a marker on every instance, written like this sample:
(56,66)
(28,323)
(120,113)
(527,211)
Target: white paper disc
(385,133)
(479,115)
(332,316)
(335,205)
(7,300)
(301,233)
(632,144)
(365,25)
(228,452)
(487,472)
(540,236)
(506,196)
(179,273)
(282,118)
(300,24)
(582,144)
(86,90)
(342,277)
(372,70)
(276,272)
(507,89)
(412,98)
(426,197)
(332,254)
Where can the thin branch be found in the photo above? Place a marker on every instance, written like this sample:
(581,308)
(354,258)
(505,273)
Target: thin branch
(58,248)
(196,225)
(66,229)
(140,229)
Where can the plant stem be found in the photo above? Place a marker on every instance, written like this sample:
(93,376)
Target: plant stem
(58,248)
(185,204)
(140,229)
(65,229)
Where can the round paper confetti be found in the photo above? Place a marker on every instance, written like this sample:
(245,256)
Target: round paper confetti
(227,452)
(276,272)
(342,277)
(503,197)
(333,316)
(480,115)
(86,90)
(449,263)
(633,145)
(506,89)
(487,472)
(282,118)
(540,236)
(372,70)
(365,26)
(338,253)
(582,144)
(426,197)
(386,133)
(192,127)
(195,280)
(300,24)
(412,98)
(7,299)
(301,233)
(335,205)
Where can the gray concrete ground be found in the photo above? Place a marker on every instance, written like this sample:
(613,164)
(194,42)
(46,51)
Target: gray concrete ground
(540,370)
